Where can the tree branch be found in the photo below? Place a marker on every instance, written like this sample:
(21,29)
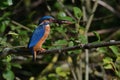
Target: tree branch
(25,51)
(104,31)
(107,6)
(20,25)
(82,46)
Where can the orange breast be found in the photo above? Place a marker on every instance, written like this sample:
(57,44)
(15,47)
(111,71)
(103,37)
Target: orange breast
(42,40)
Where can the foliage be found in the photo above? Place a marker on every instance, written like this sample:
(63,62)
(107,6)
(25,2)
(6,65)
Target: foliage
(58,74)
(18,19)
(7,65)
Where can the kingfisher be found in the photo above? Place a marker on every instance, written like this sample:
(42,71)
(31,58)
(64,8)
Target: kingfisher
(41,33)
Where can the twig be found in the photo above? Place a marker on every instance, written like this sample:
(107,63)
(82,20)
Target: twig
(104,31)
(107,6)
(88,5)
(49,66)
(37,3)
(91,17)
(112,35)
(97,19)
(20,25)
(86,31)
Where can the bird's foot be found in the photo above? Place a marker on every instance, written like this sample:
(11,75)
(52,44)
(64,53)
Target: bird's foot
(41,49)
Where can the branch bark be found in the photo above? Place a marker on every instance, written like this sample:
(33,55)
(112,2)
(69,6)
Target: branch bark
(82,46)
(107,6)
(25,51)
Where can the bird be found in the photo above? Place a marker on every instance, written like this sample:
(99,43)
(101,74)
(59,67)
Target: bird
(41,33)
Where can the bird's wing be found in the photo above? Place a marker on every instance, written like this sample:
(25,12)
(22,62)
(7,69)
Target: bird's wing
(36,36)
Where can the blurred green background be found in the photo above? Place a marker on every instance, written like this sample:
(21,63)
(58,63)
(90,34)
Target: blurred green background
(19,18)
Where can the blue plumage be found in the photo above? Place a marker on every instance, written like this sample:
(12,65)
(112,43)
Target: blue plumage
(37,35)
(41,33)
(38,32)
(45,18)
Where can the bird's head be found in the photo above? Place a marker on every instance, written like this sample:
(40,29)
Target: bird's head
(50,19)
(46,19)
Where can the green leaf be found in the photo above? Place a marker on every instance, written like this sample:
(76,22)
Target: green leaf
(10,2)
(65,18)
(82,39)
(5,16)
(102,49)
(3,4)
(109,66)
(70,44)
(77,12)
(8,66)
(117,73)
(33,78)
(13,33)
(16,65)
(97,35)
(60,72)
(52,76)
(114,50)
(57,6)
(8,75)
(107,60)
(118,60)
(61,29)
(61,14)
(8,59)
(13,27)
(61,42)
(3,27)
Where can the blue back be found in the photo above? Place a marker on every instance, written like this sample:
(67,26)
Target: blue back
(37,35)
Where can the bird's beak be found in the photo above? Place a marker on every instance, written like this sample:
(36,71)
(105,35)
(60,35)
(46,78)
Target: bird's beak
(61,21)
